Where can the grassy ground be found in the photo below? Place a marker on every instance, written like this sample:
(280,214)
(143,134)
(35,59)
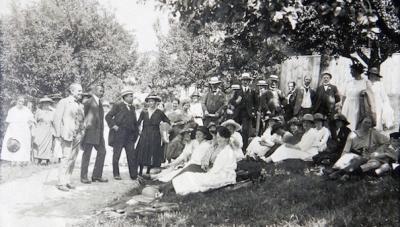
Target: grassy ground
(290,196)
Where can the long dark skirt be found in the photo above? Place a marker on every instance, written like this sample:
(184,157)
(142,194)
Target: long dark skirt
(150,152)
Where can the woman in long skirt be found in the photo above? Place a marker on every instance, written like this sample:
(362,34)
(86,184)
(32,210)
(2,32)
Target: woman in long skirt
(351,101)
(149,148)
(43,132)
(20,120)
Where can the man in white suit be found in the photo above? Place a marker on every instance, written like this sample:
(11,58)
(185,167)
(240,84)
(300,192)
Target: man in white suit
(69,128)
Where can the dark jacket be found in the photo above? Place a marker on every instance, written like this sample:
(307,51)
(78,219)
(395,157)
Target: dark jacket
(323,104)
(298,99)
(247,106)
(94,121)
(340,138)
(126,120)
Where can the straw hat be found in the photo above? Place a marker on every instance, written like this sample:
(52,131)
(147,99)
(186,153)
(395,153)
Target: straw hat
(308,117)
(233,123)
(211,124)
(185,130)
(195,94)
(126,91)
(46,99)
(262,83)
(214,80)
(245,76)
(274,77)
(327,73)
(319,116)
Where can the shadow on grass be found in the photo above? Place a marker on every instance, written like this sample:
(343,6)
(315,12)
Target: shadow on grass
(288,197)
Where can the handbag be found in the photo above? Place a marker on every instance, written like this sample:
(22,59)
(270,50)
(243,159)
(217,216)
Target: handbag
(13,145)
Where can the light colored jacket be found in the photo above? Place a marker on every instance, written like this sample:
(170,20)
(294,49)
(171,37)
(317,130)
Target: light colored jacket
(69,119)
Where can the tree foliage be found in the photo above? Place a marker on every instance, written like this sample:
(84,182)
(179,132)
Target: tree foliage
(367,28)
(52,43)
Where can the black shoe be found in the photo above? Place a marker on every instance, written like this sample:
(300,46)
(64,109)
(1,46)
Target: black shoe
(85,181)
(117,178)
(70,186)
(102,180)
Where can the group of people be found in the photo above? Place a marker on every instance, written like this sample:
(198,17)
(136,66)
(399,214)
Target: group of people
(216,137)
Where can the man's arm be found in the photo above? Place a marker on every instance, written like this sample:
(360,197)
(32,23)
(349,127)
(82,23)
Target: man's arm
(110,116)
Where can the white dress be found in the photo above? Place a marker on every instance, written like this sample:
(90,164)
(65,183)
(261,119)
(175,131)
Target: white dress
(256,149)
(193,153)
(196,111)
(323,135)
(383,109)
(308,148)
(221,174)
(351,105)
(19,128)
(237,142)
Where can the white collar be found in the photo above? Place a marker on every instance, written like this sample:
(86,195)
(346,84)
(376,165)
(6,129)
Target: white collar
(97,99)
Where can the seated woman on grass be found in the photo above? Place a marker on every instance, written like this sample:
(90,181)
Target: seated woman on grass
(221,174)
(259,146)
(362,145)
(191,157)
(236,138)
(176,146)
(305,149)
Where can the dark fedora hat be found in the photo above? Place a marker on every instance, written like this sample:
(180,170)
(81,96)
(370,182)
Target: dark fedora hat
(341,117)
(205,131)
(153,97)
(375,71)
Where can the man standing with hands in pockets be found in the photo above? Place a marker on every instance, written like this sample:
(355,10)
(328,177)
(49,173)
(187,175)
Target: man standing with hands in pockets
(124,132)
(94,136)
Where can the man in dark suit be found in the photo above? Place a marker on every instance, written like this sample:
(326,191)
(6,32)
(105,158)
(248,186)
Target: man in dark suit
(290,100)
(94,136)
(261,106)
(245,107)
(304,98)
(327,97)
(124,132)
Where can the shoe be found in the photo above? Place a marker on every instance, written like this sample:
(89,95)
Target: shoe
(85,181)
(102,180)
(62,188)
(70,186)
(117,178)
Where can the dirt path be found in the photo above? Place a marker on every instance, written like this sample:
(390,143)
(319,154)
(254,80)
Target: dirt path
(34,201)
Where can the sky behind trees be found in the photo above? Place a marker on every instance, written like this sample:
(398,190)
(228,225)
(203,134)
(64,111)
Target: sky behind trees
(136,17)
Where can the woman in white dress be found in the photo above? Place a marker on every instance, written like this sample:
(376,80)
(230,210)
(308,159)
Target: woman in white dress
(352,96)
(259,146)
(305,149)
(20,120)
(191,157)
(221,174)
(383,110)
(236,138)
(323,132)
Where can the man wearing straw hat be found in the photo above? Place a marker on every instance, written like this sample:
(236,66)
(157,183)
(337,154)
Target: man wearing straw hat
(214,102)
(123,133)
(245,104)
(69,127)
